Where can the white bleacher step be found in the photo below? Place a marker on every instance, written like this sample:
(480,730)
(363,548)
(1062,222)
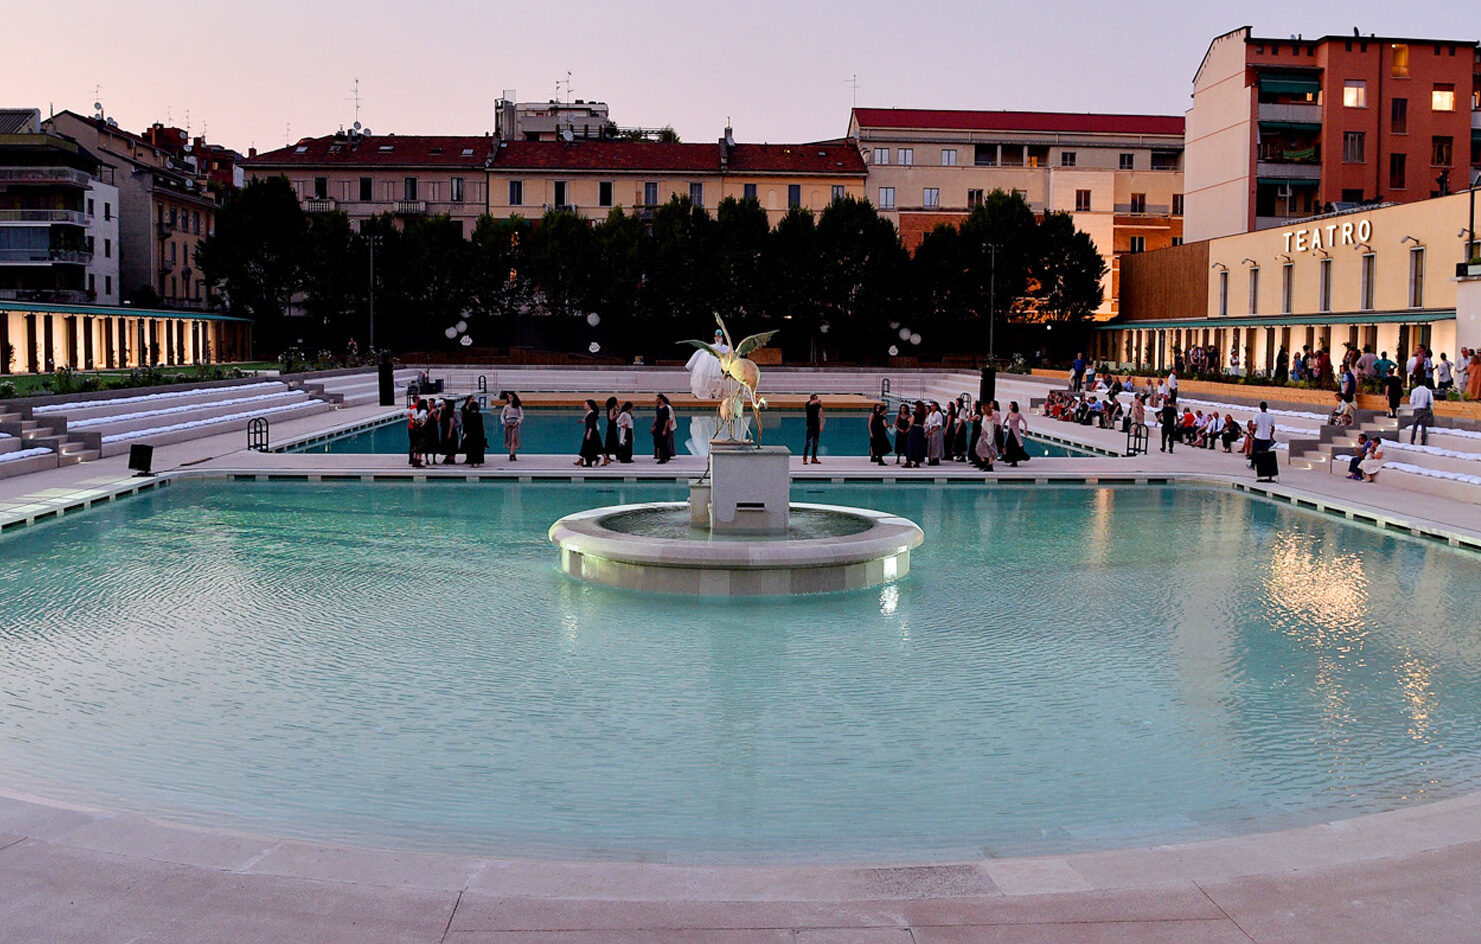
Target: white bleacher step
(95,408)
(184,412)
(204,428)
(22,462)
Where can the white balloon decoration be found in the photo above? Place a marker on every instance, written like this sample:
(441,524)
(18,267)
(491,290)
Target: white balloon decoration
(894,351)
(915,339)
(462,326)
(593,319)
(593,347)
(466,341)
(904,334)
(451,333)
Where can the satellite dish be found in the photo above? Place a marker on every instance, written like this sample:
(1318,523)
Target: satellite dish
(98,105)
(367,131)
(357,126)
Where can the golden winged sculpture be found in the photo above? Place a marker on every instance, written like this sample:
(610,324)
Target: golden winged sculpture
(743,371)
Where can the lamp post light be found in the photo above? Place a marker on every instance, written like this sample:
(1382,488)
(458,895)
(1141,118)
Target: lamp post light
(992,299)
(371,241)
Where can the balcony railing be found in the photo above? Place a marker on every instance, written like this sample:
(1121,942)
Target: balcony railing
(44,175)
(409,207)
(1288,170)
(1296,113)
(1145,209)
(76,217)
(321,205)
(59,296)
(44,256)
(164,230)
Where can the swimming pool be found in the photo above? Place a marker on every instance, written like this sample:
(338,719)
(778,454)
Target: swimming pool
(1065,668)
(558,432)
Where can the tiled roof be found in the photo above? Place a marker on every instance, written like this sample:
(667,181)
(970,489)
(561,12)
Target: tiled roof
(391,150)
(1042,121)
(828,158)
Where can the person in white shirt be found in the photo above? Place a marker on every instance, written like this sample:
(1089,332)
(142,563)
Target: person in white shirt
(1172,387)
(1423,402)
(1264,429)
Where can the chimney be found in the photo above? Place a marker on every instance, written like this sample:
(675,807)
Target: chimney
(727,144)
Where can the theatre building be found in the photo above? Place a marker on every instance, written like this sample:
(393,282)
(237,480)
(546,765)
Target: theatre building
(1384,277)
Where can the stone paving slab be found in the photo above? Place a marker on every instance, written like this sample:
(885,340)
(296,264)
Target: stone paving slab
(1218,931)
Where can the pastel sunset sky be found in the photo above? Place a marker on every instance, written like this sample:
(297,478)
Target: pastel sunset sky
(267,71)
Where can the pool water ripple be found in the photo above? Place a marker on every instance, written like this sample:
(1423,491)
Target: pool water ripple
(1064,668)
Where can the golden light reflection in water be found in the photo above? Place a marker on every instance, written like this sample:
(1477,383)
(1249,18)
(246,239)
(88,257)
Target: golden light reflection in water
(1324,599)
(1416,681)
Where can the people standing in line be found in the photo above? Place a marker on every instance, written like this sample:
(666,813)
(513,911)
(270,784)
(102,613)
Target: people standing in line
(973,427)
(1282,365)
(625,433)
(1444,379)
(959,437)
(1422,400)
(591,437)
(1393,388)
(813,411)
(902,433)
(915,451)
(1014,426)
(662,429)
(416,418)
(948,431)
(1264,429)
(432,432)
(1462,368)
(450,429)
(609,442)
(1077,373)
(475,437)
(879,437)
(1172,387)
(512,417)
(1347,389)
(934,439)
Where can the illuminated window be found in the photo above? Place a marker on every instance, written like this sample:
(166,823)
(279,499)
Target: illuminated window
(1443,97)
(1355,93)
(1401,60)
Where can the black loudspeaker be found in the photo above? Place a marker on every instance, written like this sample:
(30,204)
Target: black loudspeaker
(987,389)
(1267,468)
(388,383)
(141,457)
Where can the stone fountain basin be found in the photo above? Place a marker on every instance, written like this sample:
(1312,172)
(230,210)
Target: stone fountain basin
(759,565)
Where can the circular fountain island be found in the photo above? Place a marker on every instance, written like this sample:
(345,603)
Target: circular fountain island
(738,535)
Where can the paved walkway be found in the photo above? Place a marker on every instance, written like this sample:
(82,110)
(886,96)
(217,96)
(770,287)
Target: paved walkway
(69,874)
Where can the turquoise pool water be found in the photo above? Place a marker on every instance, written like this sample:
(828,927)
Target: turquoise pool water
(1064,668)
(559,432)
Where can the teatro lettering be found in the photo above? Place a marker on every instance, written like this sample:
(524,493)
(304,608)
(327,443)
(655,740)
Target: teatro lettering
(1325,237)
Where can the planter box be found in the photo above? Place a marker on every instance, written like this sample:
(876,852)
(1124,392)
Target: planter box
(1468,270)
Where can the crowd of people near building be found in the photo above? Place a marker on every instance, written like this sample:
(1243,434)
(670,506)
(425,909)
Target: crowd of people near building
(926,434)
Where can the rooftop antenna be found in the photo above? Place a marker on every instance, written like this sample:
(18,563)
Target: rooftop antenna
(853,82)
(354,96)
(287,134)
(98,100)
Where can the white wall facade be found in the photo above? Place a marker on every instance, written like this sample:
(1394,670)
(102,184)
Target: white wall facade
(1218,156)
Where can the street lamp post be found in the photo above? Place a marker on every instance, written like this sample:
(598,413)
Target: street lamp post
(372,240)
(992,299)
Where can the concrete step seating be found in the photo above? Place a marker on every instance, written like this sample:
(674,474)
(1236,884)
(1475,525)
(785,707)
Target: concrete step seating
(183,429)
(112,406)
(360,389)
(18,456)
(179,412)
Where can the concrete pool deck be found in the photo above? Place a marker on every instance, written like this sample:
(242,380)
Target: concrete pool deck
(74,874)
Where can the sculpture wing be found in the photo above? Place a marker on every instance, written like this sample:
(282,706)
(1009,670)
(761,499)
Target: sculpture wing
(703,346)
(753,342)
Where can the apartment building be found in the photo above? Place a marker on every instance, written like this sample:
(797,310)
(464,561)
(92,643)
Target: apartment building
(165,211)
(367,175)
(58,225)
(1119,176)
(591,177)
(1286,128)
(1377,276)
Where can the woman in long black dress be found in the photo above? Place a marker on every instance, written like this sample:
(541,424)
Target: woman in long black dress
(915,450)
(663,416)
(902,433)
(591,436)
(879,437)
(974,432)
(610,447)
(475,437)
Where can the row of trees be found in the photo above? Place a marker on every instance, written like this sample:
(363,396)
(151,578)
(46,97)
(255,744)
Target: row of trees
(838,283)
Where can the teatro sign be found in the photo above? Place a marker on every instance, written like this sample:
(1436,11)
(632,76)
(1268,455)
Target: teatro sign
(1350,233)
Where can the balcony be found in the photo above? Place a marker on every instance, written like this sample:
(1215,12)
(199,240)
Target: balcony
(409,207)
(1295,113)
(75,217)
(44,256)
(322,205)
(46,176)
(164,230)
(1147,209)
(1289,170)
(58,296)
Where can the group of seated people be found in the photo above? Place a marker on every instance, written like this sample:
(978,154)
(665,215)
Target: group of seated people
(1207,430)
(1105,412)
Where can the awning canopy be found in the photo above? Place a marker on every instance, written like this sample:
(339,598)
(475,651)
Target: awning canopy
(1290,84)
(1290,125)
(1292,321)
(1288,181)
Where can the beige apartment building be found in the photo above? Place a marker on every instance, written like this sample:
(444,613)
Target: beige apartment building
(1119,176)
(591,177)
(368,175)
(1383,277)
(165,210)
